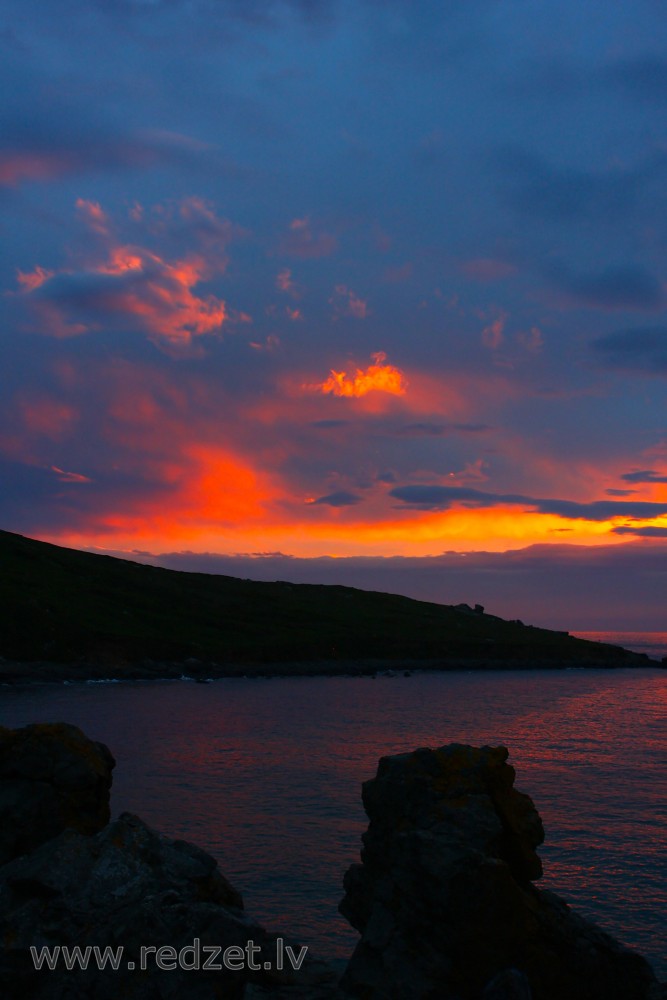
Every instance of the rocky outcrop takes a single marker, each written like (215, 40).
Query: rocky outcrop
(52, 778)
(124, 886)
(120, 886)
(444, 899)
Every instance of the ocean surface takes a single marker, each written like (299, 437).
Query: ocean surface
(266, 775)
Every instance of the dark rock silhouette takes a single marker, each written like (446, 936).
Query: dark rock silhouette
(124, 885)
(444, 901)
(52, 777)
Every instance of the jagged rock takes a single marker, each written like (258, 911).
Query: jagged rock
(130, 887)
(75, 882)
(126, 886)
(52, 777)
(444, 901)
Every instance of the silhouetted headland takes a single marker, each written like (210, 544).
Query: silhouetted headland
(77, 615)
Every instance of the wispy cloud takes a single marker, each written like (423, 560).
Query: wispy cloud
(49, 153)
(306, 241)
(345, 302)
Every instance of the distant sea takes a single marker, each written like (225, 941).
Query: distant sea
(654, 644)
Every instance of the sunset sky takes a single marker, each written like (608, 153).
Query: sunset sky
(369, 292)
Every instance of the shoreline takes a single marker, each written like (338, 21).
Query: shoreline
(23, 673)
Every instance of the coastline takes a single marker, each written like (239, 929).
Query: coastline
(13, 673)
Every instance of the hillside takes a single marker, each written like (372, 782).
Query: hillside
(92, 612)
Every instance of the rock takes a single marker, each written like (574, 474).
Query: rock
(52, 777)
(129, 887)
(444, 899)
(126, 886)
(74, 882)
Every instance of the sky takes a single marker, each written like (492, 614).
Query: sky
(364, 292)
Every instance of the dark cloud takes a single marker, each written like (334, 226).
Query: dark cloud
(602, 510)
(625, 287)
(535, 188)
(438, 498)
(648, 532)
(329, 424)
(643, 476)
(339, 499)
(620, 493)
(641, 349)
(442, 497)
(438, 430)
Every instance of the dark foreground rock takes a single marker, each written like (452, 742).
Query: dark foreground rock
(128, 887)
(79, 883)
(444, 900)
(52, 777)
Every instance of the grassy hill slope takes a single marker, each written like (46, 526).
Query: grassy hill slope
(70, 607)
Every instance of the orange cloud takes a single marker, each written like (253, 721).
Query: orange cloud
(379, 377)
(133, 286)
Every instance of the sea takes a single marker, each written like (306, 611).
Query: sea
(266, 775)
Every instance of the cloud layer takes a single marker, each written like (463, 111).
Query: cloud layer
(367, 281)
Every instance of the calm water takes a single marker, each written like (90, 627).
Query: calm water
(266, 776)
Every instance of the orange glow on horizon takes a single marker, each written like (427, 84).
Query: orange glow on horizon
(216, 491)
(204, 515)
